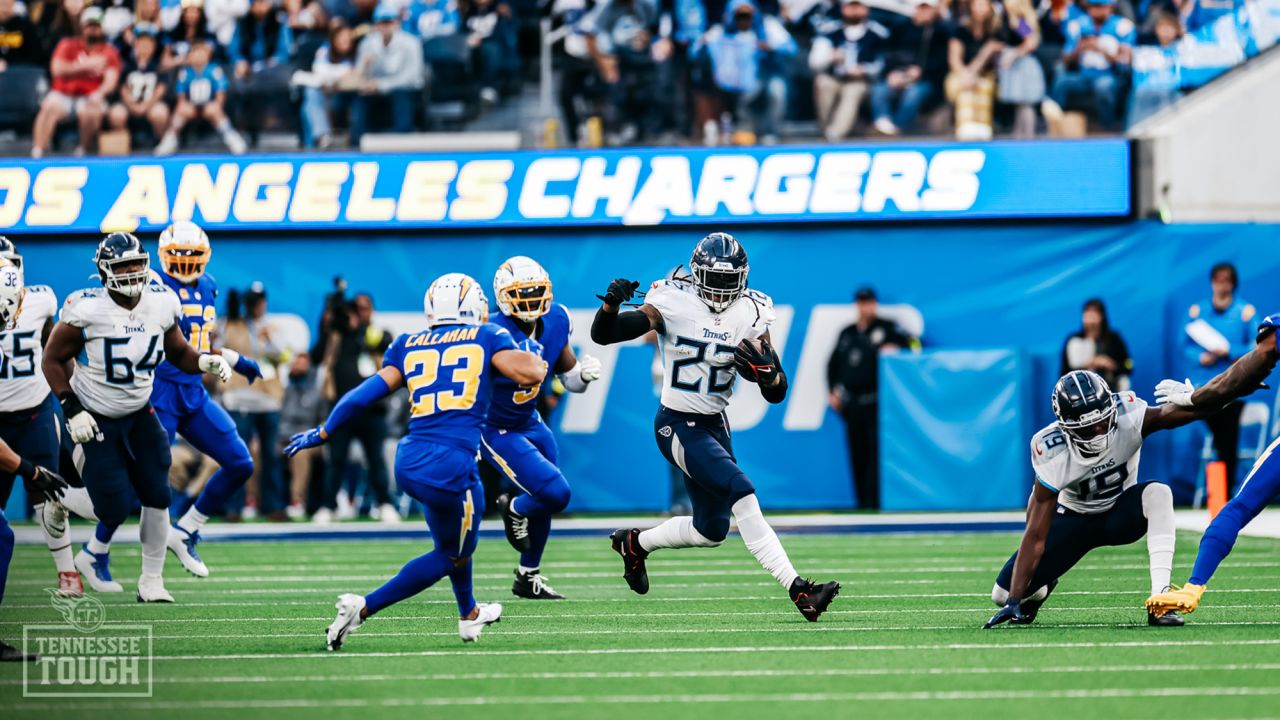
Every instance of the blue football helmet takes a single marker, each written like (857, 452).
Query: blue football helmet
(719, 266)
(123, 264)
(1086, 412)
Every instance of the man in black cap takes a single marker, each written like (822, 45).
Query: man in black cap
(852, 376)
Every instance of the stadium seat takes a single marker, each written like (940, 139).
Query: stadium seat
(22, 87)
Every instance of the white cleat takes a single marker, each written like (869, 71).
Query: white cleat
(53, 518)
(388, 515)
(349, 607)
(97, 570)
(151, 590)
(183, 545)
(489, 613)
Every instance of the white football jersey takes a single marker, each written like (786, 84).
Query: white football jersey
(122, 347)
(1092, 488)
(22, 383)
(697, 344)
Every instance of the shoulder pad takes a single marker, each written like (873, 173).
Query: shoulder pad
(1126, 401)
(1047, 444)
(158, 288)
(85, 294)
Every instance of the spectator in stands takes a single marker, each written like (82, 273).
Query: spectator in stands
(223, 17)
(117, 17)
(353, 12)
(19, 43)
(66, 23)
(1095, 62)
(301, 409)
(491, 35)
(1218, 332)
(1020, 79)
(202, 93)
(749, 53)
(192, 26)
(333, 72)
(620, 40)
(260, 50)
(432, 18)
(390, 62)
(579, 81)
(915, 67)
(1095, 346)
(140, 107)
(846, 62)
(975, 49)
(85, 72)
(1053, 19)
(853, 381)
(1156, 83)
(41, 14)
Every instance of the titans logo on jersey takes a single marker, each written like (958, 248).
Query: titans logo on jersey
(197, 318)
(514, 406)
(447, 372)
(1092, 488)
(22, 385)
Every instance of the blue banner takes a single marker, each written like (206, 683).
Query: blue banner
(883, 181)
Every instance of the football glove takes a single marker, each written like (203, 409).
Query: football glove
(758, 365)
(82, 427)
(590, 368)
(620, 290)
(1011, 613)
(314, 437)
(1172, 392)
(215, 365)
(41, 483)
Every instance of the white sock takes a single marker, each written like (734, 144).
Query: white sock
(193, 520)
(154, 531)
(60, 548)
(97, 547)
(1157, 505)
(676, 532)
(77, 501)
(762, 541)
(1000, 596)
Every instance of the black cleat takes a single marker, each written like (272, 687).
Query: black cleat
(533, 586)
(1031, 608)
(1169, 619)
(627, 544)
(516, 525)
(812, 600)
(9, 653)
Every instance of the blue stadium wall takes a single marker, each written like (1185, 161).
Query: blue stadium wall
(1015, 286)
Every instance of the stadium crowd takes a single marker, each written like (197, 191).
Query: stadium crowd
(709, 71)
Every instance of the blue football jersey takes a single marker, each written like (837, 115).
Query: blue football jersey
(448, 372)
(515, 406)
(197, 319)
(200, 86)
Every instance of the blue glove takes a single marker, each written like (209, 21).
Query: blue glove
(303, 440)
(248, 368)
(1268, 326)
(1010, 613)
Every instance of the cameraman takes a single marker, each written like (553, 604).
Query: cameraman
(351, 349)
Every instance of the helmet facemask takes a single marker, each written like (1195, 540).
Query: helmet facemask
(185, 264)
(527, 300)
(1089, 436)
(127, 275)
(719, 285)
(11, 294)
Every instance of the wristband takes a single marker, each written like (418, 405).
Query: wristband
(25, 470)
(71, 405)
(231, 356)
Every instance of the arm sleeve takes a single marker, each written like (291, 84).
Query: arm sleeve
(615, 327)
(365, 394)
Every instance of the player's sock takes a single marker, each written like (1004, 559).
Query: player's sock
(525, 569)
(762, 541)
(101, 541)
(539, 533)
(1157, 506)
(417, 575)
(676, 532)
(153, 530)
(179, 505)
(460, 577)
(60, 547)
(193, 520)
(76, 499)
(1216, 544)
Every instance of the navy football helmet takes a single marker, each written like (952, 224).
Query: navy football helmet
(719, 266)
(123, 264)
(1086, 412)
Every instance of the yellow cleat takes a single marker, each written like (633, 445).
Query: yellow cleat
(1181, 599)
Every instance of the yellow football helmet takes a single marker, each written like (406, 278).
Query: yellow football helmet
(184, 251)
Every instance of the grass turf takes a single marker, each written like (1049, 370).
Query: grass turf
(715, 634)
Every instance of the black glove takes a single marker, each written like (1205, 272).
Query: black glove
(41, 483)
(756, 365)
(1010, 613)
(620, 291)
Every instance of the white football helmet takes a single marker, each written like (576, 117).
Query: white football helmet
(10, 294)
(184, 251)
(455, 299)
(9, 252)
(522, 288)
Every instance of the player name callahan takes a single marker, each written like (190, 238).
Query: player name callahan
(439, 338)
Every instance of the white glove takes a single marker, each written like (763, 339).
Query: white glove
(1172, 392)
(590, 368)
(82, 427)
(215, 365)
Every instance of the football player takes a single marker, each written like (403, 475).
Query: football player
(29, 420)
(712, 330)
(449, 370)
(1260, 488)
(1087, 495)
(116, 336)
(516, 442)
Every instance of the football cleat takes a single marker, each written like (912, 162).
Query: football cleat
(349, 607)
(9, 653)
(516, 525)
(1031, 608)
(97, 570)
(151, 590)
(183, 545)
(1169, 619)
(534, 587)
(489, 613)
(70, 585)
(1182, 599)
(53, 518)
(627, 544)
(812, 600)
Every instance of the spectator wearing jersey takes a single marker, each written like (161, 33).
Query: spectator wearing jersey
(335, 82)
(1095, 61)
(749, 55)
(432, 18)
(19, 43)
(846, 62)
(202, 93)
(140, 106)
(1095, 346)
(976, 44)
(192, 26)
(915, 66)
(1217, 333)
(1156, 82)
(390, 62)
(259, 52)
(620, 39)
(1020, 79)
(85, 72)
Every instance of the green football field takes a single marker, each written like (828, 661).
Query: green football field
(715, 637)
